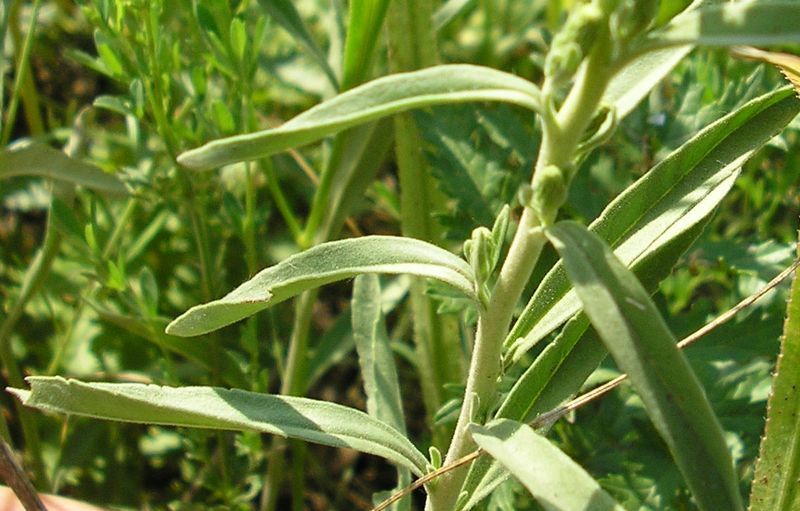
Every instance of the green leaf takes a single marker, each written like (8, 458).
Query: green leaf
(363, 27)
(449, 11)
(554, 480)
(285, 14)
(37, 159)
(379, 98)
(732, 23)
(324, 264)
(638, 77)
(374, 353)
(633, 331)
(775, 486)
(217, 408)
(376, 360)
(669, 200)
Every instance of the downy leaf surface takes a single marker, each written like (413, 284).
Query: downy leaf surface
(311, 420)
(457, 83)
(554, 480)
(37, 159)
(324, 264)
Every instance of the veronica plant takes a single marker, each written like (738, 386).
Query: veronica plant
(599, 65)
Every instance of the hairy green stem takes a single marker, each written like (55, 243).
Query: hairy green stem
(561, 134)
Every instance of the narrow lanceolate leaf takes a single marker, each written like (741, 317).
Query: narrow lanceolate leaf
(631, 84)
(557, 482)
(733, 23)
(635, 80)
(314, 421)
(776, 486)
(324, 264)
(37, 159)
(377, 364)
(374, 353)
(674, 197)
(636, 336)
(379, 98)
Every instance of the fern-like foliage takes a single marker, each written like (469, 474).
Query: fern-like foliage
(479, 155)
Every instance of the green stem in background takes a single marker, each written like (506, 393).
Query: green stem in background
(561, 135)
(6, 6)
(412, 45)
(34, 278)
(23, 83)
(283, 205)
(292, 384)
(157, 100)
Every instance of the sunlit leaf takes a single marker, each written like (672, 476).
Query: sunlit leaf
(671, 199)
(636, 336)
(379, 98)
(321, 265)
(314, 421)
(557, 482)
(775, 485)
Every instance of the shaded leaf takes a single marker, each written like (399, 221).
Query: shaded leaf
(479, 159)
(37, 159)
(374, 353)
(285, 14)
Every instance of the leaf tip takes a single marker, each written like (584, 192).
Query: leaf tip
(21, 394)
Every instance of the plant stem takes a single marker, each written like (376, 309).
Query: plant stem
(412, 45)
(561, 134)
(23, 83)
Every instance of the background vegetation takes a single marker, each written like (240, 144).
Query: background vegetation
(129, 85)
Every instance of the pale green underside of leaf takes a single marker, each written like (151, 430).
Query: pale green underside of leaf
(776, 485)
(672, 198)
(554, 480)
(633, 331)
(324, 264)
(37, 159)
(314, 421)
(457, 83)
(724, 24)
